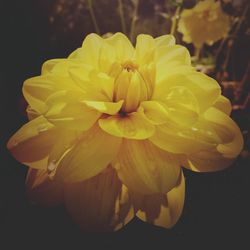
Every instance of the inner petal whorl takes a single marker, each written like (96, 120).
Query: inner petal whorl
(131, 86)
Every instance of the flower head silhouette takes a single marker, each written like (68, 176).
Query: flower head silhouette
(111, 125)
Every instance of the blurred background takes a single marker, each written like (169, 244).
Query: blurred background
(216, 211)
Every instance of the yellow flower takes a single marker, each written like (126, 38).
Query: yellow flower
(204, 23)
(111, 126)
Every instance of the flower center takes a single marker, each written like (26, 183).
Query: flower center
(130, 66)
(131, 86)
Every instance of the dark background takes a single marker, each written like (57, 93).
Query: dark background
(216, 211)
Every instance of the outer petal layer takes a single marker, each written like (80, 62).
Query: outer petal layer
(90, 50)
(185, 140)
(33, 141)
(66, 112)
(90, 155)
(224, 154)
(223, 104)
(206, 161)
(161, 209)
(146, 169)
(100, 203)
(205, 89)
(229, 132)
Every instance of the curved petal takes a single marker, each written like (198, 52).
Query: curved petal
(48, 66)
(159, 113)
(183, 97)
(123, 48)
(37, 90)
(96, 86)
(206, 161)
(144, 49)
(165, 72)
(227, 130)
(146, 169)
(66, 139)
(181, 105)
(155, 112)
(224, 154)
(162, 210)
(164, 40)
(42, 190)
(169, 56)
(31, 113)
(60, 66)
(90, 50)
(132, 126)
(72, 115)
(110, 108)
(36, 136)
(223, 104)
(107, 57)
(100, 203)
(39, 164)
(204, 88)
(187, 140)
(90, 155)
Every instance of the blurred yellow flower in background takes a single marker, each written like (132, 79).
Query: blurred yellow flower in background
(111, 125)
(204, 23)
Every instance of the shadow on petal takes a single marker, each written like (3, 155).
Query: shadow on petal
(161, 209)
(100, 203)
(41, 190)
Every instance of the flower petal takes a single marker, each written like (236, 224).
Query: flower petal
(155, 112)
(100, 203)
(93, 152)
(161, 209)
(223, 104)
(42, 190)
(107, 57)
(60, 66)
(90, 50)
(204, 88)
(96, 86)
(164, 40)
(72, 115)
(227, 130)
(63, 143)
(110, 108)
(132, 126)
(31, 113)
(169, 56)
(37, 89)
(124, 50)
(181, 105)
(185, 139)
(206, 161)
(146, 169)
(36, 136)
(224, 154)
(144, 49)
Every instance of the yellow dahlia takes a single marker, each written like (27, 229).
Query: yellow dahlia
(111, 125)
(204, 23)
